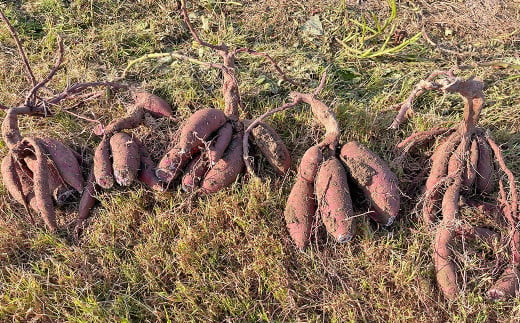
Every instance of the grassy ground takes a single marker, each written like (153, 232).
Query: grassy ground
(228, 257)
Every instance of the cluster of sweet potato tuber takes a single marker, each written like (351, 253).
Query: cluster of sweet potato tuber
(209, 146)
(325, 173)
(41, 172)
(463, 164)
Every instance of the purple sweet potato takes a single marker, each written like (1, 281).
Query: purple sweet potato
(147, 169)
(486, 176)
(299, 211)
(220, 142)
(378, 183)
(227, 169)
(265, 138)
(310, 164)
(194, 172)
(507, 285)
(103, 171)
(42, 193)
(57, 186)
(153, 104)
(334, 202)
(12, 178)
(66, 162)
(199, 127)
(301, 204)
(125, 157)
(171, 165)
(470, 170)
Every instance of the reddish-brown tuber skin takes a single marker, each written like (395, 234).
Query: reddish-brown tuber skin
(66, 162)
(334, 202)
(444, 266)
(227, 169)
(271, 145)
(470, 170)
(103, 171)
(57, 186)
(194, 172)
(299, 212)
(41, 186)
(147, 169)
(171, 165)
(507, 285)
(439, 169)
(485, 178)
(310, 163)
(220, 143)
(125, 157)
(301, 203)
(378, 183)
(199, 127)
(153, 104)
(12, 177)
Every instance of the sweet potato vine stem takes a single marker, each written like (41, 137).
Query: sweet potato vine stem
(28, 70)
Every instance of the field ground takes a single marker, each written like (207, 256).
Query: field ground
(228, 257)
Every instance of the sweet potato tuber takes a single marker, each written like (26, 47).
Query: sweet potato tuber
(171, 165)
(57, 186)
(125, 157)
(378, 183)
(153, 104)
(66, 162)
(41, 185)
(199, 127)
(470, 169)
(194, 173)
(299, 211)
(13, 176)
(507, 285)
(103, 171)
(310, 163)
(227, 169)
(220, 142)
(334, 202)
(147, 168)
(485, 177)
(271, 145)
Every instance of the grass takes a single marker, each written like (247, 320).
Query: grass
(228, 257)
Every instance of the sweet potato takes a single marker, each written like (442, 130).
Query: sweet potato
(299, 211)
(194, 173)
(220, 142)
(444, 266)
(507, 285)
(57, 186)
(12, 178)
(373, 176)
(271, 145)
(171, 165)
(125, 157)
(147, 169)
(334, 202)
(439, 169)
(153, 104)
(41, 185)
(66, 162)
(485, 177)
(103, 171)
(199, 127)
(86, 204)
(227, 169)
(470, 169)
(310, 164)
